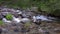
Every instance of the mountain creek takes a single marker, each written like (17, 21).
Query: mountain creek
(28, 22)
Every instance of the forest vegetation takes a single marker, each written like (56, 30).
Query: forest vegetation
(49, 6)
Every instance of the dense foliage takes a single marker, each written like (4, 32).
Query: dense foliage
(49, 6)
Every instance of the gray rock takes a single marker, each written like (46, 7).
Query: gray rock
(1, 17)
(6, 21)
(25, 20)
(5, 30)
(44, 31)
(17, 20)
(0, 30)
(57, 30)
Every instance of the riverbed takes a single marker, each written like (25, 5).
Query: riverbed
(27, 22)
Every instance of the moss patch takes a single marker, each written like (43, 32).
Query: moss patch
(1, 22)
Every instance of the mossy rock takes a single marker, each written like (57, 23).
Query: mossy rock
(27, 25)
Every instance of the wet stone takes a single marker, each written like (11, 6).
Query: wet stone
(21, 16)
(16, 30)
(57, 30)
(25, 20)
(13, 24)
(46, 32)
(1, 17)
(24, 30)
(0, 31)
(16, 15)
(5, 30)
(38, 22)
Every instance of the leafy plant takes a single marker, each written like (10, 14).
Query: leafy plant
(9, 16)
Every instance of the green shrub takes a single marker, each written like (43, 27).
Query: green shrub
(9, 16)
